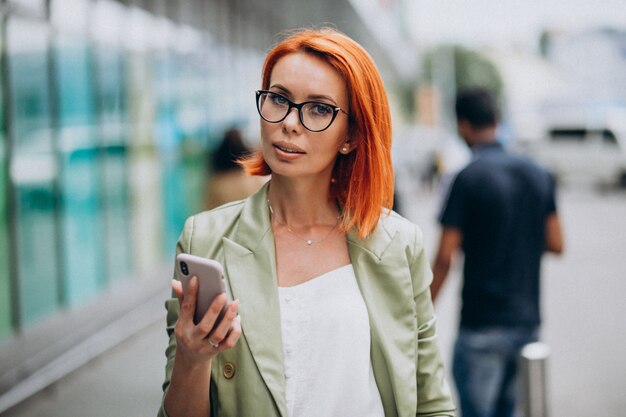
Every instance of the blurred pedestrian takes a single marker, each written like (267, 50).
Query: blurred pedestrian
(332, 288)
(227, 180)
(501, 213)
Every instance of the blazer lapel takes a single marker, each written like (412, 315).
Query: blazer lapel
(251, 267)
(382, 270)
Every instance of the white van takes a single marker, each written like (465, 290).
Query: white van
(585, 154)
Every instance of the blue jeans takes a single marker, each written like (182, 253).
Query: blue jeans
(485, 369)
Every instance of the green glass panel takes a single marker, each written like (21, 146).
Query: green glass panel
(174, 204)
(33, 170)
(168, 138)
(81, 243)
(37, 262)
(113, 142)
(193, 121)
(5, 283)
(181, 138)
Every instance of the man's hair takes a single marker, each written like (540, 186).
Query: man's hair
(363, 179)
(478, 107)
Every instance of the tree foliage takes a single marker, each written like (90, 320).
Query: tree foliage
(471, 69)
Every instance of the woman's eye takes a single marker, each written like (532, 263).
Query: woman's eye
(321, 109)
(277, 99)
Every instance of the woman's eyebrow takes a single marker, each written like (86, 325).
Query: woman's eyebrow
(280, 87)
(321, 97)
(313, 97)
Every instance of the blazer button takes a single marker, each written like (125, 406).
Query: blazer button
(229, 370)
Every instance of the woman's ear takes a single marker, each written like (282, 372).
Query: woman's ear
(346, 148)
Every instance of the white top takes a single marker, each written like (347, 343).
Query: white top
(326, 348)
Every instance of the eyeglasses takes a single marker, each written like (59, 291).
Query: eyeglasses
(314, 115)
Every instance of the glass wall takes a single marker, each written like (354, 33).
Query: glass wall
(112, 113)
(113, 137)
(33, 169)
(78, 157)
(110, 81)
(181, 129)
(168, 136)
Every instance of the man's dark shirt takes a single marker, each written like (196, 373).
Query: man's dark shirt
(500, 202)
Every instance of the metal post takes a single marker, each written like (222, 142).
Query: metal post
(533, 371)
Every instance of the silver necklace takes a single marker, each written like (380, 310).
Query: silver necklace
(308, 242)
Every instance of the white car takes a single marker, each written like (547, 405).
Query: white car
(585, 154)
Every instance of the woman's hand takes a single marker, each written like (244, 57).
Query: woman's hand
(200, 343)
(197, 345)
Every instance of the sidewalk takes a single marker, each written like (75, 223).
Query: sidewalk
(123, 382)
(80, 356)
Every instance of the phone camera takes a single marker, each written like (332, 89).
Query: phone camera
(184, 269)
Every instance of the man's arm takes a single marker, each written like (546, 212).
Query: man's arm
(554, 236)
(449, 243)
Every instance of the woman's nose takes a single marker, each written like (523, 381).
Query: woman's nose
(292, 120)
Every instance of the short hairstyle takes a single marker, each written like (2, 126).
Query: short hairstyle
(478, 107)
(363, 179)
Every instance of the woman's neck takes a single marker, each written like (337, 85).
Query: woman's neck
(301, 203)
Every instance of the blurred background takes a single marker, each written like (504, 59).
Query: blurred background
(110, 111)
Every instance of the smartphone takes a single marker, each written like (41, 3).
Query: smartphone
(210, 279)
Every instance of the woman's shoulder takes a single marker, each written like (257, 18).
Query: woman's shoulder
(394, 224)
(217, 221)
(220, 213)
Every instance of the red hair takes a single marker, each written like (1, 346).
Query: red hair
(363, 179)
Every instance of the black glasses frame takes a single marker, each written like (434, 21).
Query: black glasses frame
(298, 106)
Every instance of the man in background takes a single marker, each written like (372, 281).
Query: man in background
(501, 213)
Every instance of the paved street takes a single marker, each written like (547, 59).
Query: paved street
(582, 305)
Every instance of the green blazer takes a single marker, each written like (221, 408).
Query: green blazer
(393, 275)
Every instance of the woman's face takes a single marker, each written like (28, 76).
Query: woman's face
(288, 147)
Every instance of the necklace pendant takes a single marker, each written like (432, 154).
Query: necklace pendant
(309, 242)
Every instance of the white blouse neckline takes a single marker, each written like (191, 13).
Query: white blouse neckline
(326, 348)
(325, 275)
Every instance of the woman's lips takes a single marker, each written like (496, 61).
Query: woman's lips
(289, 149)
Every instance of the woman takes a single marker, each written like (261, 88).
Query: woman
(332, 289)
